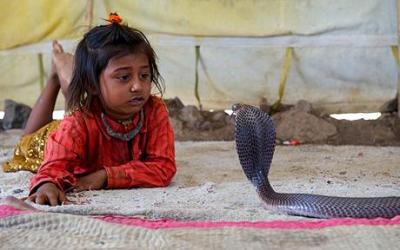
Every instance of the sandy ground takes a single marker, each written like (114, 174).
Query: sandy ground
(210, 185)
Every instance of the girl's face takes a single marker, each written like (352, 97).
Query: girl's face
(125, 85)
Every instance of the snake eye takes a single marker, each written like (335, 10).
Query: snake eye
(236, 107)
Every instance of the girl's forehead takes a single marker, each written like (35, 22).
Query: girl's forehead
(129, 60)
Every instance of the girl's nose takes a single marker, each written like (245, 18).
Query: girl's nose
(136, 85)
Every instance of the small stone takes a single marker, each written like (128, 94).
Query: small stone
(177, 125)
(100, 242)
(17, 191)
(329, 182)
(309, 128)
(206, 125)
(390, 106)
(303, 106)
(218, 116)
(15, 114)
(264, 106)
(191, 116)
(215, 120)
(174, 105)
(343, 173)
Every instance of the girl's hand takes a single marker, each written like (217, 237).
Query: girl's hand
(16, 203)
(48, 193)
(93, 181)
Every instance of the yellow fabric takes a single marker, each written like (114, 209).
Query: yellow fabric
(28, 154)
(31, 21)
(204, 18)
(20, 78)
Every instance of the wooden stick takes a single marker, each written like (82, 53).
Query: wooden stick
(89, 13)
(398, 46)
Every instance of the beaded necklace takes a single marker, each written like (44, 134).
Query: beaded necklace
(122, 136)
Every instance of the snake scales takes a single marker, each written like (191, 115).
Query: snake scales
(255, 144)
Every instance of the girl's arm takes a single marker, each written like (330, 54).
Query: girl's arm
(65, 149)
(158, 167)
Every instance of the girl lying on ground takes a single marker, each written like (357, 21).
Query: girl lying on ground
(116, 133)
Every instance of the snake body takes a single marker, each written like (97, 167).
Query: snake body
(255, 144)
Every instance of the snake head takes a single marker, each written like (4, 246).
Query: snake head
(237, 107)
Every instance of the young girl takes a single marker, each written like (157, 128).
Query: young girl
(117, 134)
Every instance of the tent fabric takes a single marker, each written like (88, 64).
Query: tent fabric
(41, 20)
(342, 59)
(35, 21)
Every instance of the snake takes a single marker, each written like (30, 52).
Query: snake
(255, 145)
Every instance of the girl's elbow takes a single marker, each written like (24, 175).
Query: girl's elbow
(166, 181)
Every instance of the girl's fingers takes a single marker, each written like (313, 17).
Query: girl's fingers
(32, 198)
(41, 199)
(68, 202)
(62, 198)
(16, 203)
(53, 199)
(78, 188)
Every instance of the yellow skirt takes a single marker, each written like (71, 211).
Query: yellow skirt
(29, 152)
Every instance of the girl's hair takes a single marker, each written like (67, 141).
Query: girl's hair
(92, 55)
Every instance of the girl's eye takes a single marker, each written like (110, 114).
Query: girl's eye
(124, 78)
(144, 76)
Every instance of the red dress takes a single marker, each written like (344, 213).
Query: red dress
(81, 146)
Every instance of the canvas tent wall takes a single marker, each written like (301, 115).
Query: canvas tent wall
(340, 58)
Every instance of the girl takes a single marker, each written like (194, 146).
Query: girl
(117, 134)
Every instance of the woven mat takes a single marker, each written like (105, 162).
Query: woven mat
(22, 229)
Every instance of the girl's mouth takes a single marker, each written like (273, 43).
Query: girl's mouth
(136, 101)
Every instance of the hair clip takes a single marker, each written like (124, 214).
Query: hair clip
(114, 18)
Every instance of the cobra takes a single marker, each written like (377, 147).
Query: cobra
(255, 144)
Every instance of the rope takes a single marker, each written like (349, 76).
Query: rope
(284, 75)
(89, 14)
(395, 52)
(196, 81)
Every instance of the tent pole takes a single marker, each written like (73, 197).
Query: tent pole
(398, 46)
(89, 13)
